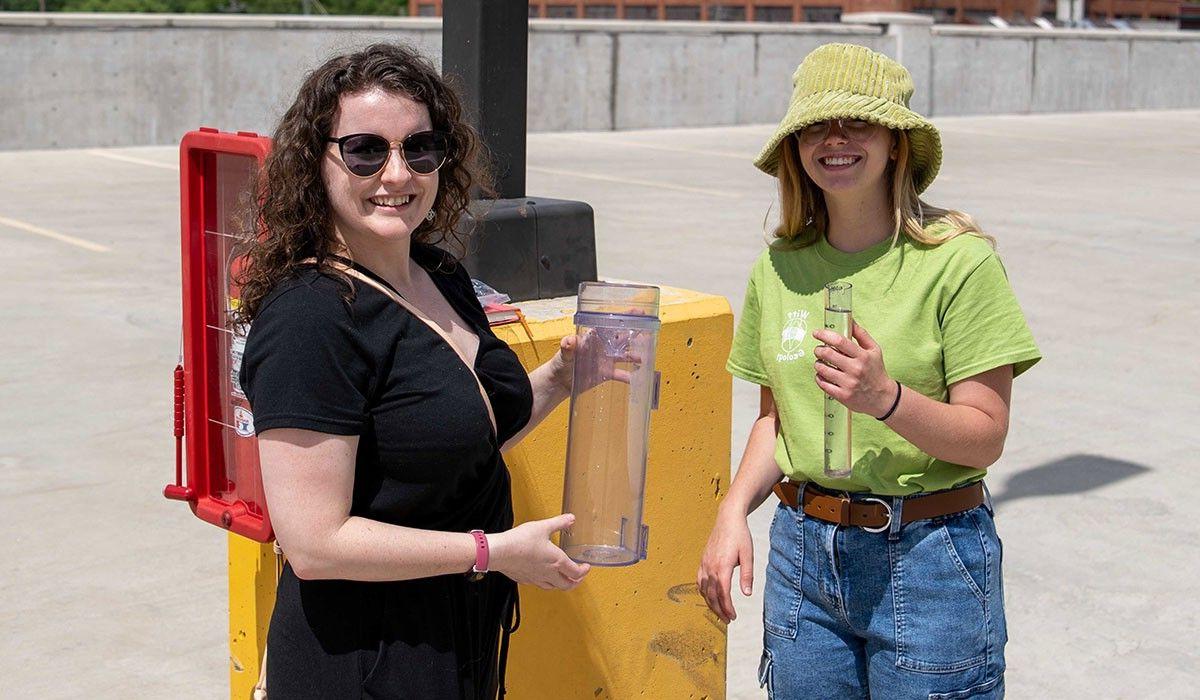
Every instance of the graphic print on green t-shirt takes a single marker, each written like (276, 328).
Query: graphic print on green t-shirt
(940, 313)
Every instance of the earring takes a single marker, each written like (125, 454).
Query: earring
(430, 216)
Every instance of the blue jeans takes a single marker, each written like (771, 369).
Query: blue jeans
(913, 612)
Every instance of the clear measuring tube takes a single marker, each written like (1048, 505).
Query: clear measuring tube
(839, 319)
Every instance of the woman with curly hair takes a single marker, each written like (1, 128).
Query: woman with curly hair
(884, 573)
(381, 399)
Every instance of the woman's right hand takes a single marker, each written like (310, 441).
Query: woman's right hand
(525, 554)
(729, 546)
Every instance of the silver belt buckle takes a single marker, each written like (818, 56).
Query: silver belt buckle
(886, 506)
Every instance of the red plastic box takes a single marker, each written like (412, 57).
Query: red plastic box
(212, 416)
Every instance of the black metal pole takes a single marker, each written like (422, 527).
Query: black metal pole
(485, 48)
(528, 247)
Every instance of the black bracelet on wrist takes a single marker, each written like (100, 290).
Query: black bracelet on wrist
(895, 403)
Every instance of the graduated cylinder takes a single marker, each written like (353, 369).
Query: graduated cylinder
(615, 388)
(839, 318)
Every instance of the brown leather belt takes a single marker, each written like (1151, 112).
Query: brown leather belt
(874, 514)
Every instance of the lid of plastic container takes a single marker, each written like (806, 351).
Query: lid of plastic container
(629, 321)
(619, 298)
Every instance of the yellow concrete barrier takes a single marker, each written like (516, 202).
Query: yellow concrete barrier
(630, 632)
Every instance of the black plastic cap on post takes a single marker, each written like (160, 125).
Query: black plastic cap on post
(532, 248)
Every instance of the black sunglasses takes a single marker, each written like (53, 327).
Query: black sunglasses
(366, 154)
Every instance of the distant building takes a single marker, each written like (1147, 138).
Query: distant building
(961, 11)
(1189, 15)
(1133, 9)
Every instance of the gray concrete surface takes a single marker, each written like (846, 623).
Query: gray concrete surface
(144, 79)
(109, 591)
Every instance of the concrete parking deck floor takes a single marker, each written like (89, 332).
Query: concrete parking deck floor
(108, 591)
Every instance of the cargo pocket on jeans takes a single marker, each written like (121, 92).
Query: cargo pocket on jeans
(992, 689)
(939, 584)
(785, 571)
(766, 670)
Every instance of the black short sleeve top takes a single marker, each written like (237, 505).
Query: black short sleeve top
(427, 456)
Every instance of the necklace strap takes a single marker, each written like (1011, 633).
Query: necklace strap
(388, 291)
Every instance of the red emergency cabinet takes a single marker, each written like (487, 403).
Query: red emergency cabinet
(214, 427)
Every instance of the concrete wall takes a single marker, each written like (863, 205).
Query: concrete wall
(110, 80)
(988, 71)
(698, 75)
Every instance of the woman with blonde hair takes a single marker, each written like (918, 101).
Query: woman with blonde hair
(883, 582)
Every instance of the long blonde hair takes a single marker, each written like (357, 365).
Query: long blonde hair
(804, 218)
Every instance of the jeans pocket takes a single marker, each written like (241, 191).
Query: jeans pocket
(991, 689)
(941, 575)
(785, 571)
(968, 553)
(995, 598)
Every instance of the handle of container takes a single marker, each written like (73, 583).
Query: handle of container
(657, 391)
(645, 543)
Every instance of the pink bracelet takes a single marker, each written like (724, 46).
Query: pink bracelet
(480, 568)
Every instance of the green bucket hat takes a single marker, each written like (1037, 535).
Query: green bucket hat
(844, 81)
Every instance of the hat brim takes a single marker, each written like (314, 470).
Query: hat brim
(925, 142)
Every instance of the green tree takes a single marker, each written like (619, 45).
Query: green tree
(269, 7)
(116, 6)
(29, 5)
(333, 7)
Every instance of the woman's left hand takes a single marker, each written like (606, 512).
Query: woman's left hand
(563, 363)
(853, 373)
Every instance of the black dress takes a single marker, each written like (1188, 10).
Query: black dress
(427, 458)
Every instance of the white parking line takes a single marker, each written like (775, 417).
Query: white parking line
(640, 183)
(1078, 161)
(62, 237)
(1005, 136)
(744, 157)
(133, 159)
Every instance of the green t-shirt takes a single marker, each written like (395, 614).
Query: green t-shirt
(940, 313)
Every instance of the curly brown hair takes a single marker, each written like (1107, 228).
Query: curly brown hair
(289, 212)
